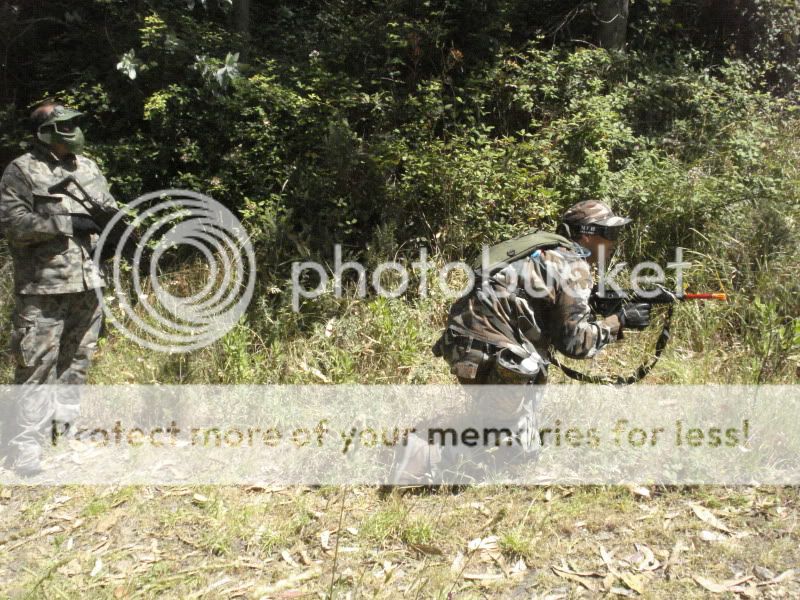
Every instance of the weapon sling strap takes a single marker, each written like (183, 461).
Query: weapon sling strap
(637, 375)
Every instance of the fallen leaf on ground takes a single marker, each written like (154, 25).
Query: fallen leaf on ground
(426, 549)
(649, 562)
(482, 576)
(608, 581)
(785, 576)
(288, 558)
(639, 490)
(583, 578)
(494, 520)
(679, 547)
(177, 492)
(479, 506)
(487, 543)
(711, 536)
(146, 558)
(57, 501)
(63, 517)
(608, 560)
(107, 522)
(458, 563)
(216, 585)
(518, 568)
(488, 548)
(315, 372)
(73, 567)
(329, 327)
(98, 566)
(722, 587)
(284, 584)
(635, 582)
(387, 568)
(325, 540)
(763, 573)
(199, 499)
(707, 516)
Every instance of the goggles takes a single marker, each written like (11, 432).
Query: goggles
(64, 120)
(610, 232)
(65, 127)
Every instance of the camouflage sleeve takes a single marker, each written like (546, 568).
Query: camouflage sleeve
(108, 199)
(98, 187)
(21, 224)
(575, 331)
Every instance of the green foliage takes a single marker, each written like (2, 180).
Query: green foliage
(387, 126)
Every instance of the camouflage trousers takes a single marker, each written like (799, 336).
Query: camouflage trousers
(485, 371)
(53, 340)
(508, 415)
(481, 364)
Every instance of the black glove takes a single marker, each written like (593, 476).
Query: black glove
(634, 315)
(83, 224)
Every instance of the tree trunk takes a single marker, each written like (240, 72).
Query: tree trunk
(613, 17)
(241, 22)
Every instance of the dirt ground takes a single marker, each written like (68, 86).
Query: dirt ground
(479, 542)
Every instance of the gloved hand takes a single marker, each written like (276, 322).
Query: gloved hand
(634, 315)
(84, 224)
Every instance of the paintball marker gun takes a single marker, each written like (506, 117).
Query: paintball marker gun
(611, 302)
(103, 215)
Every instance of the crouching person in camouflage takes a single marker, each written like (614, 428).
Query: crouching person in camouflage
(503, 330)
(51, 235)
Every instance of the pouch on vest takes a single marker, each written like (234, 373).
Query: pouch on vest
(469, 365)
(515, 367)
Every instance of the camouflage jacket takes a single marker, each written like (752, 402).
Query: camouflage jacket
(533, 304)
(47, 257)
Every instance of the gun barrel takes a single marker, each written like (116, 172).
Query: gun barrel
(706, 296)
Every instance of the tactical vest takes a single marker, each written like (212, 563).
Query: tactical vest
(504, 253)
(456, 345)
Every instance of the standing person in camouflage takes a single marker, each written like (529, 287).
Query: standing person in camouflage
(502, 331)
(51, 235)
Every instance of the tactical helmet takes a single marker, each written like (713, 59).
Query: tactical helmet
(60, 127)
(594, 218)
